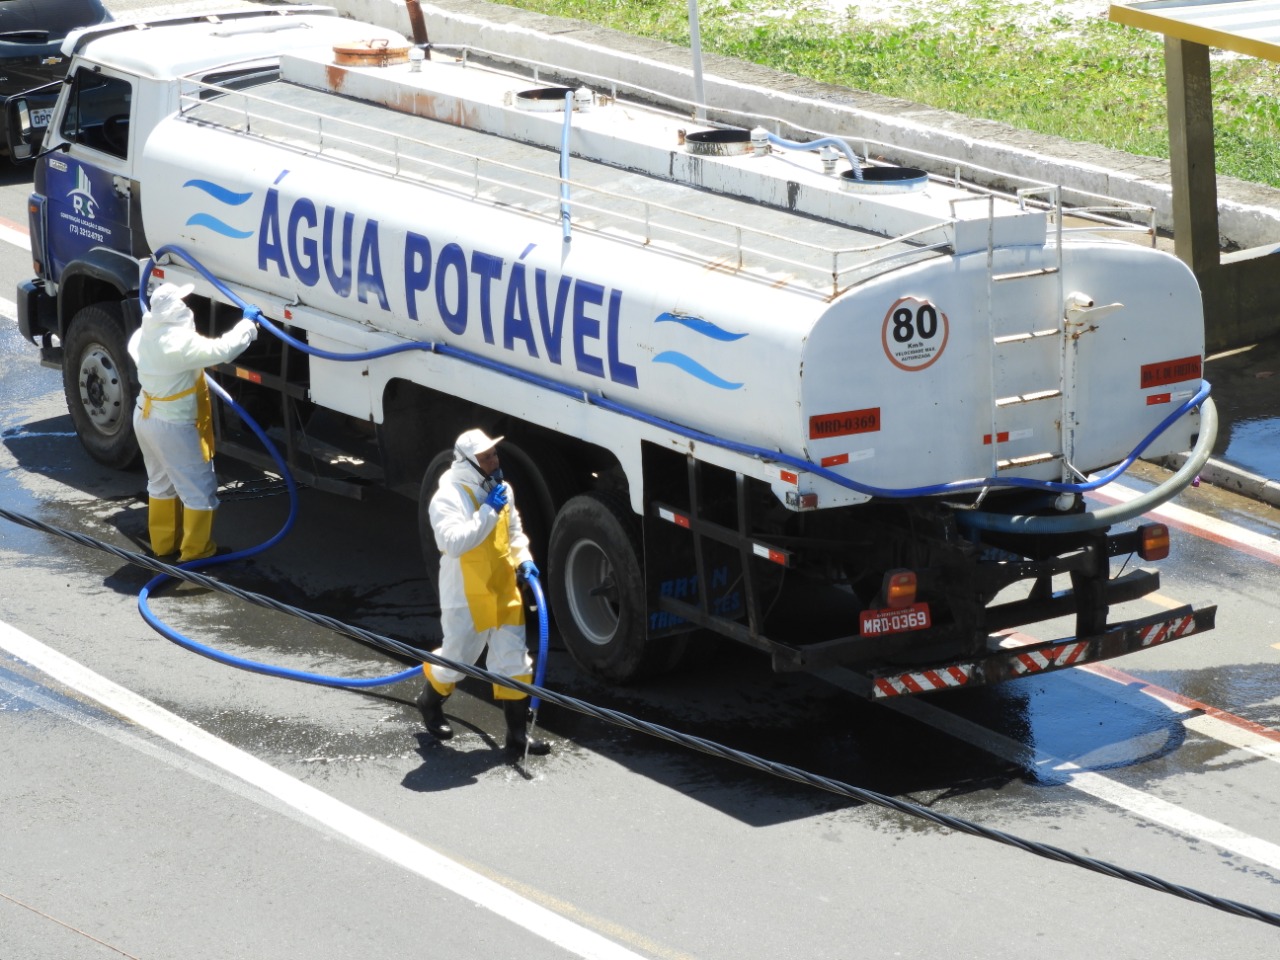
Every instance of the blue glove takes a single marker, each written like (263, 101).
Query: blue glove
(528, 570)
(497, 497)
(252, 313)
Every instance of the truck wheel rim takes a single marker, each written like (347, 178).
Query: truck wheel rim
(101, 390)
(592, 592)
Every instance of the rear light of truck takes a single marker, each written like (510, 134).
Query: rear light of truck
(1153, 541)
(899, 589)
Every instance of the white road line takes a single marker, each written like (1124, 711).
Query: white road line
(359, 827)
(1211, 528)
(1209, 721)
(1172, 816)
(1132, 801)
(12, 233)
(1093, 784)
(1233, 736)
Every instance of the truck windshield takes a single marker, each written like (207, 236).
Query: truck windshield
(97, 114)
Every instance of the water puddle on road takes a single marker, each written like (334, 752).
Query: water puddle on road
(1254, 444)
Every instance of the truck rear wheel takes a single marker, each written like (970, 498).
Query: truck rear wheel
(100, 385)
(596, 581)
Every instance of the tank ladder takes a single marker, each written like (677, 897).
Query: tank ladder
(1032, 417)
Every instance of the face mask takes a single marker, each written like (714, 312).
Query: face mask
(487, 480)
(491, 481)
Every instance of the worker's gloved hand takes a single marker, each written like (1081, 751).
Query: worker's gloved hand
(247, 331)
(528, 570)
(497, 497)
(252, 313)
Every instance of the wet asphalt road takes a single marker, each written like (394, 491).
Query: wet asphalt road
(290, 820)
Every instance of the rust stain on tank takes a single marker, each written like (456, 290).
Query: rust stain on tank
(337, 77)
(423, 103)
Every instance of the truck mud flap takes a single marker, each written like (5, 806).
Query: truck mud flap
(1015, 659)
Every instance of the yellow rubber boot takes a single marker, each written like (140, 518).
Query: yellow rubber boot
(197, 535)
(163, 517)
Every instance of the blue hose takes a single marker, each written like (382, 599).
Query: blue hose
(144, 606)
(182, 640)
(540, 670)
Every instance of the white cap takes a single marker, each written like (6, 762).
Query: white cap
(473, 443)
(167, 304)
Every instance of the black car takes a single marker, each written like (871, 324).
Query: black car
(31, 35)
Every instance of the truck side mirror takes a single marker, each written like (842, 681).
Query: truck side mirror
(21, 132)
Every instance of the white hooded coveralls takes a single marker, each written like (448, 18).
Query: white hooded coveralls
(462, 521)
(170, 356)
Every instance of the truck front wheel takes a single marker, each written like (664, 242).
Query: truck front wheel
(100, 385)
(596, 581)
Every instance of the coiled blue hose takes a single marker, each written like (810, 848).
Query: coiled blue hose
(182, 640)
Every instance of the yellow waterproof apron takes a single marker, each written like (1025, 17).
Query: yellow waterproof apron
(489, 580)
(204, 411)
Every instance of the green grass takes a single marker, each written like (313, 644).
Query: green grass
(1088, 80)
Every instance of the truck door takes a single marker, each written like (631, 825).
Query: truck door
(87, 187)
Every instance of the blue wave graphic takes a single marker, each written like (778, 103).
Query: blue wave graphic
(217, 226)
(695, 369)
(704, 327)
(219, 193)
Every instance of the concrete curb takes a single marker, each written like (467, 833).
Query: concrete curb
(1249, 214)
(1229, 477)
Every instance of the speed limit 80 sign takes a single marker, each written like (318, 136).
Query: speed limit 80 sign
(914, 333)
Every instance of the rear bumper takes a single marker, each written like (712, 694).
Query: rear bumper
(1012, 658)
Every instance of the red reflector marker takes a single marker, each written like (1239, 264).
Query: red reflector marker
(679, 519)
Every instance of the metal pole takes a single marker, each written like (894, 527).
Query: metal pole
(695, 41)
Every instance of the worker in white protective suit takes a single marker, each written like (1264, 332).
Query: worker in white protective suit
(483, 549)
(173, 420)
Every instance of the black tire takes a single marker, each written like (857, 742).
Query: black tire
(426, 536)
(596, 580)
(101, 385)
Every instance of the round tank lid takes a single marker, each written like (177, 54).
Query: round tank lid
(885, 180)
(545, 99)
(369, 53)
(718, 143)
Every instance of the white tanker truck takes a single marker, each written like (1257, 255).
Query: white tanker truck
(753, 384)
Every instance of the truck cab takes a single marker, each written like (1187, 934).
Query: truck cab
(87, 238)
